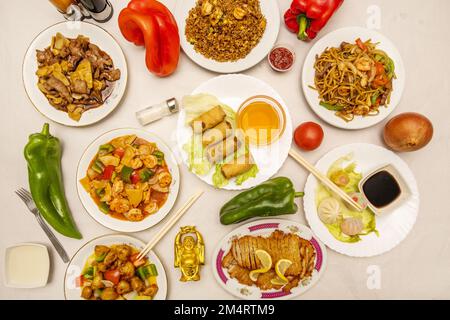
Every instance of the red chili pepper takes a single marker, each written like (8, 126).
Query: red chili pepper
(149, 23)
(308, 17)
(135, 177)
(108, 172)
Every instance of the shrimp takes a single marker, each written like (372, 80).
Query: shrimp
(120, 205)
(164, 179)
(144, 150)
(150, 161)
(136, 163)
(363, 64)
(117, 187)
(152, 207)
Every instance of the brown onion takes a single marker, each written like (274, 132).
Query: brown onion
(408, 131)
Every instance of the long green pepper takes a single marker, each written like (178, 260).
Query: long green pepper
(43, 155)
(271, 198)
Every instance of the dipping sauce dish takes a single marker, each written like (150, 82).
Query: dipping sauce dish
(383, 189)
(27, 265)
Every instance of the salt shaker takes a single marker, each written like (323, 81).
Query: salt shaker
(157, 111)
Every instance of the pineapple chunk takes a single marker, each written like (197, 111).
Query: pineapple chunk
(109, 160)
(134, 196)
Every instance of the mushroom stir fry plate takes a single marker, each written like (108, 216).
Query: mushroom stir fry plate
(75, 75)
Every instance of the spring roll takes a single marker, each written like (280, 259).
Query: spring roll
(208, 119)
(219, 151)
(216, 134)
(237, 166)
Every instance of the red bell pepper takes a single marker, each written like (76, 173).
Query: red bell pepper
(307, 17)
(113, 276)
(149, 23)
(119, 152)
(135, 178)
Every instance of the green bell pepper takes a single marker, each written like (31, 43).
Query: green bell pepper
(144, 272)
(271, 198)
(332, 107)
(105, 149)
(159, 155)
(126, 174)
(145, 174)
(43, 155)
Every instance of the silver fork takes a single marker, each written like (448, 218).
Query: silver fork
(25, 195)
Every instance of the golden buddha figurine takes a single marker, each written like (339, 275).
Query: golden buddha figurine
(189, 253)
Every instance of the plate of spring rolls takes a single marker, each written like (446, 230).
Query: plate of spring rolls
(212, 144)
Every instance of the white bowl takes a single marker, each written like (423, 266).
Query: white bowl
(32, 267)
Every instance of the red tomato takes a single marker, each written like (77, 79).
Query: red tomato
(108, 172)
(308, 136)
(112, 275)
(119, 152)
(135, 177)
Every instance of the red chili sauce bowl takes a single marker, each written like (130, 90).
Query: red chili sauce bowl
(281, 58)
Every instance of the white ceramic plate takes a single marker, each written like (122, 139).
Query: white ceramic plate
(334, 39)
(392, 226)
(76, 264)
(271, 12)
(233, 90)
(107, 220)
(265, 228)
(97, 36)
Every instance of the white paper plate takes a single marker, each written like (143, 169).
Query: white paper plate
(97, 36)
(393, 226)
(271, 12)
(233, 90)
(334, 39)
(264, 228)
(107, 220)
(76, 264)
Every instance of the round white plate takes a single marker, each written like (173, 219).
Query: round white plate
(97, 36)
(271, 12)
(392, 226)
(264, 228)
(233, 90)
(107, 220)
(334, 39)
(76, 264)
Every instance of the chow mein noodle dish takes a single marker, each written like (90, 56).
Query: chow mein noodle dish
(354, 79)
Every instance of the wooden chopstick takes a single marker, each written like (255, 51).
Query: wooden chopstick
(322, 178)
(168, 225)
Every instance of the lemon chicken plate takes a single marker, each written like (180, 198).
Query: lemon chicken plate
(128, 178)
(279, 261)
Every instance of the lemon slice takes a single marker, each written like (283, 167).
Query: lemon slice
(266, 263)
(280, 269)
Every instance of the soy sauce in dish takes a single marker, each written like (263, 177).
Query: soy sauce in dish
(381, 189)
